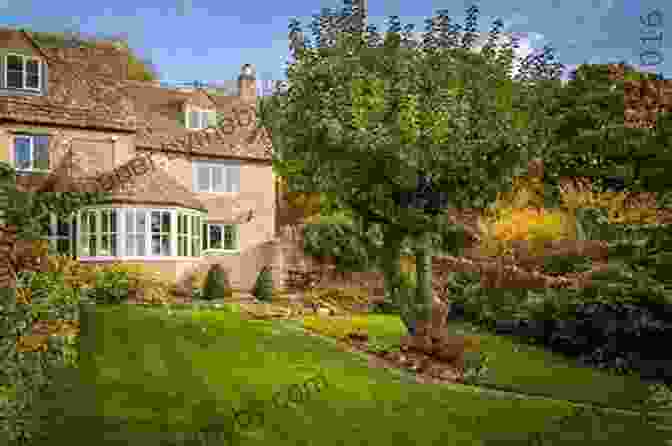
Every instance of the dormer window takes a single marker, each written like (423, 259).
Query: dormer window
(198, 118)
(22, 72)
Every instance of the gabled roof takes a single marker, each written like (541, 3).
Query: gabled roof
(74, 98)
(88, 88)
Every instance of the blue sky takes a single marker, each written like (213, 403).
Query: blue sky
(209, 40)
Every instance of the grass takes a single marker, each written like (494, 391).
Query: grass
(145, 377)
(531, 369)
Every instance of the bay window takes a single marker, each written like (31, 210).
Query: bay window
(139, 232)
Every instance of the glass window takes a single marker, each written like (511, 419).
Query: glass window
(32, 74)
(203, 173)
(233, 179)
(108, 232)
(31, 152)
(220, 236)
(22, 72)
(22, 152)
(136, 229)
(160, 240)
(211, 177)
(14, 71)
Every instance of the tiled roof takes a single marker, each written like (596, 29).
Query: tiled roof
(158, 110)
(75, 97)
(87, 87)
(155, 188)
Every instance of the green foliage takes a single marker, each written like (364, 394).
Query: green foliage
(263, 287)
(217, 284)
(560, 265)
(337, 240)
(110, 287)
(361, 119)
(26, 374)
(348, 299)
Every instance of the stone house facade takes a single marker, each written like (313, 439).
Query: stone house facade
(208, 198)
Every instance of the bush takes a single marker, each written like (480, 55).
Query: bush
(336, 328)
(344, 298)
(263, 288)
(110, 287)
(560, 265)
(534, 225)
(217, 284)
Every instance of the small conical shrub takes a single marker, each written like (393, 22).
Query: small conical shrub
(263, 288)
(217, 285)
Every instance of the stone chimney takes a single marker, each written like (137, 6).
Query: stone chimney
(247, 84)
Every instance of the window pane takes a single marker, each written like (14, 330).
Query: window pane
(212, 119)
(41, 149)
(165, 222)
(92, 245)
(156, 221)
(113, 221)
(156, 245)
(217, 180)
(194, 120)
(165, 245)
(131, 245)
(179, 223)
(233, 179)
(105, 245)
(22, 152)
(92, 221)
(104, 221)
(130, 227)
(215, 237)
(14, 63)
(14, 79)
(141, 244)
(14, 72)
(203, 174)
(141, 221)
(205, 236)
(113, 245)
(32, 74)
(63, 227)
(195, 252)
(229, 237)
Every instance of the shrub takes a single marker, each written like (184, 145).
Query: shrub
(534, 225)
(344, 298)
(110, 287)
(560, 265)
(217, 284)
(336, 328)
(263, 288)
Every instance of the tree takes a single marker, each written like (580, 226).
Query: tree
(361, 119)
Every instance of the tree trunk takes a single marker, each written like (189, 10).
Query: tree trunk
(422, 305)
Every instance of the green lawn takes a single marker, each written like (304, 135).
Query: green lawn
(146, 376)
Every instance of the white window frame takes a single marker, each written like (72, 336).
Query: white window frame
(122, 253)
(24, 72)
(31, 138)
(225, 168)
(236, 238)
(202, 115)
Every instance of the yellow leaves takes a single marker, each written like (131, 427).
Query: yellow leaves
(524, 224)
(615, 202)
(24, 296)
